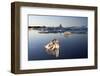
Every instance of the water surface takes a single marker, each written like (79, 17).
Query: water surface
(73, 46)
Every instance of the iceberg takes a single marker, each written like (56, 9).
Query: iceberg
(53, 47)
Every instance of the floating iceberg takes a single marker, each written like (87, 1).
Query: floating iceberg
(53, 47)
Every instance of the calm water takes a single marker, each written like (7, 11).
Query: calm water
(71, 47)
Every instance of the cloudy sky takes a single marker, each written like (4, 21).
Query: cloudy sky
(54, 21)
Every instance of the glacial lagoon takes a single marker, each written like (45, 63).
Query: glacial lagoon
(73, 46)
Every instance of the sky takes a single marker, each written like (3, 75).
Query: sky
(66, 21)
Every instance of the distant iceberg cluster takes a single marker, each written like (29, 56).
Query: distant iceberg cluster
(59, 29)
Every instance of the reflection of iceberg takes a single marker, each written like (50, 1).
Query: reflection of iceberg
(53, 47)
